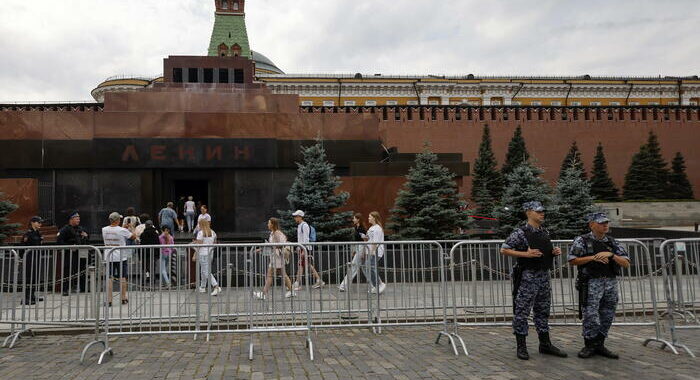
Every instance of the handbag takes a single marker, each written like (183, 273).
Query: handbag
(287, 253)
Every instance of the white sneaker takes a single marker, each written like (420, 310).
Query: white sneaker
(296, 287)
(341, 288)
(216, 291)
(373, 290)
(382, 287)
(259, 295)
(290, 294)
(319, 284)
(202, 290)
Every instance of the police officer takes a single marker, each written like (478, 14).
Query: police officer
(71, 234)
(599, 258)
(31, 238)
(534, 251)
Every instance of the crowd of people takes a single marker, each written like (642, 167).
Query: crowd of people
(141, 230)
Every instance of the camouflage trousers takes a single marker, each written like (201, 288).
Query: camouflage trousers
(534, 294)
(599, 312)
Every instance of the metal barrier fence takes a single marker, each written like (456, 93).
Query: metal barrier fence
(243, 295)
(480, 287)
(680, 263)
(252, 288)
(191, 289)
(46, 286)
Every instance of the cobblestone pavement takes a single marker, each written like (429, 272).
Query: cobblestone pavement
(401, 353)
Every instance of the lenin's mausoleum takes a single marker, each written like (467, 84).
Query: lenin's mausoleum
(227, 128)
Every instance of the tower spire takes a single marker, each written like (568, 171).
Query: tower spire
(229, 36)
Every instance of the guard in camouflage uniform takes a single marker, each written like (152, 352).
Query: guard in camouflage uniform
(534, 251)
(599, 258)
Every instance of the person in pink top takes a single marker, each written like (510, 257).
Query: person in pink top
(166, 238)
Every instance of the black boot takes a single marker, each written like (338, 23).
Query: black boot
(547, 348)
(601, 350)
(522, 347)
(588, 350)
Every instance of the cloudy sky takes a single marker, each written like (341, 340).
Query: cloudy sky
(60, 50)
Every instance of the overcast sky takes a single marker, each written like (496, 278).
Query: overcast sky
(60, 50)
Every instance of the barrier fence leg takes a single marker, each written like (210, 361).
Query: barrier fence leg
(657, 324)
(16, 335)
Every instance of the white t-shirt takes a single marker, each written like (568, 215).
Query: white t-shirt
(206, 217)
(206, 240)
(303, 232)
(189, 206)
(115, 236)
(375, 234)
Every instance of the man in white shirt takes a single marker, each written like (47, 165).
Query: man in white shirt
(116, 259)
(303, 232)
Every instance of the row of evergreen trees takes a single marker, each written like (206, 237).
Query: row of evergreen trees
(429, 205)
(647, 177)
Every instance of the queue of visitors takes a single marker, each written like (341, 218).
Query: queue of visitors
(155, 264)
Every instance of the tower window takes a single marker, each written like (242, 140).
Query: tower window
(236, 50)
(223, 50)
(235, 5)
(224, 4)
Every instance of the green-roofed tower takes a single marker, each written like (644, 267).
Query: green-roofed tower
(229, 37)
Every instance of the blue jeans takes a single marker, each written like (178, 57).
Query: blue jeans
(189, 216)
(371, 265)
(165, 269)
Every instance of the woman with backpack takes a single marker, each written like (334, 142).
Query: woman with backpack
(277, 260)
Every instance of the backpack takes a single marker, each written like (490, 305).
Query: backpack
(312, 234)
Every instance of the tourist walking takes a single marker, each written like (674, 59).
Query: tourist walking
(375, 238)
(166, 238)
(305, 256)
(190, 213)
(116, 236)
(180, 209)
(278, 259)
(167, 217)
(532, 290)
(205, 257)
(359, 252)
(149, 236)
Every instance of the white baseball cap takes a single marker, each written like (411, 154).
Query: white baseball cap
(298, 213)
(114, 216)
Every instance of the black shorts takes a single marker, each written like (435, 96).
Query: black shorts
(119, 269)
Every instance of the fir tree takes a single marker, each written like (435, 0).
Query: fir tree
(679, 186)
(314, 192)
(428, 205)
(517, 152)
(6, 229)
(573, 157)
(487, 182)
(647, 177)
(602, 186)
(523, 184)
(573, 201)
